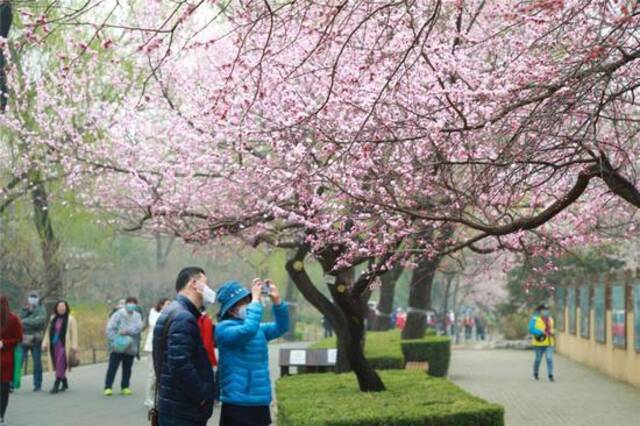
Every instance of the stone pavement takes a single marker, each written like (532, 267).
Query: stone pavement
(580, 396)
(84, 405)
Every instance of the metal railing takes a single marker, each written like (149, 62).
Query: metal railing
(87, 356)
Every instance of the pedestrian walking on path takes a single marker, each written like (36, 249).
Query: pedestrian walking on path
(543, 333)
(123, 334)
(245, 385)
(10, 337)
(184, 375)
(154, 314)
(61, 341)
(34, 322)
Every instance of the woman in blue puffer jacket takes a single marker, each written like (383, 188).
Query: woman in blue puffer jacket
(245, 385)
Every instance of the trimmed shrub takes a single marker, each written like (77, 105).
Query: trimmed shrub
(411, 399)
(431, 332)
(434, 350)
(515, 326)
(385, 350)
(382, 349)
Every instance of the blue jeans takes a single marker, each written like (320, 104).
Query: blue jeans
(548, 352)
(36, 353)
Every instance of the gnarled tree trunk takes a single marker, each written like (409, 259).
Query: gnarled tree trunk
(385, 303)
(291, 298)
(420, 298)
(49, 244)
(296, 270)
(355, 310)
(346, 315)
(445, 302)
(163, 249)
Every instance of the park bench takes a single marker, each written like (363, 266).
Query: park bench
(307, 360)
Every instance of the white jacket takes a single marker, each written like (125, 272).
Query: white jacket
(153, 317)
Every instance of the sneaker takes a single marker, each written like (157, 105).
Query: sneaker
(37, 389)
(535, 376)
(551, 379)
(127, 392)
(108, 392)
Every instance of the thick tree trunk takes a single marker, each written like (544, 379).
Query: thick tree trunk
(385, 303)
(420, 298)
(454, 300)
(49, 244)
(346, 317)
(291, 298)
(368, 378)
(163, 250)
(445, 307)
(354, 311)
(295, 269)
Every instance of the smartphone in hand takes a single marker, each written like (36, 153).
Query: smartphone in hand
(266, 287)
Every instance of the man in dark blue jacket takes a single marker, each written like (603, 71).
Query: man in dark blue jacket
(185, 376)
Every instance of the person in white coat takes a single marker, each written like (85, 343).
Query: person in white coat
(154, 314)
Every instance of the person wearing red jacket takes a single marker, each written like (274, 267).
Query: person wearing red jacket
(207, 333)
(205, 323)
(10, 336)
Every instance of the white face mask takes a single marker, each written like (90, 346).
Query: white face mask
(241, 313)
(33, 301)
(208, 295)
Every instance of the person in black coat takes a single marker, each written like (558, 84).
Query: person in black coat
(185, 376)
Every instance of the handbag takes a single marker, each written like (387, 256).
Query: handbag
(32, 339)
(74, 359)
(121, 343)
(157, 357)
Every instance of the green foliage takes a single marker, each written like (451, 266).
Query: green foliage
(382, 349)
(528, 285)
(386, 362)
(514, 326)
(436, 350)
(92, 320)
(102, 264)
(411, 398)
(385, 350)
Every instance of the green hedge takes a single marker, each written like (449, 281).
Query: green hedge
(382, 349)
(435, 350)
(412, 398)
(385, 350)
(514, 326)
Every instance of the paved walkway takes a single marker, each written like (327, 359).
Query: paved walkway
(84, 405)
(580, 396)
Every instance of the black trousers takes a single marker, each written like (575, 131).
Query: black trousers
(4, 397)
(236, 415)
(164, 420)
(114, 362)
